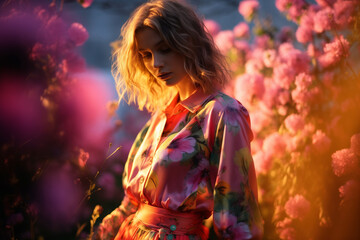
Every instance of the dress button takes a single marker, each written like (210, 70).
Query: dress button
(172, 227)
(141, 180)
(170, 237)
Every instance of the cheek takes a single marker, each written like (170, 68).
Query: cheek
(148, 66)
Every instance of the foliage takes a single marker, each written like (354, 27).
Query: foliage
(301, 89)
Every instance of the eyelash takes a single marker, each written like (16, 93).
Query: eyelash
(148, 55)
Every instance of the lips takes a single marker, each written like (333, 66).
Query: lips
(164, 76)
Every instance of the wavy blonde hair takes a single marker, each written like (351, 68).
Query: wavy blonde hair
(183, 32)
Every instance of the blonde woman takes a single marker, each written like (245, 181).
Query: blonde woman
(192, 160)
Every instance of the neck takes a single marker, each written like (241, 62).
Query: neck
(185, 88)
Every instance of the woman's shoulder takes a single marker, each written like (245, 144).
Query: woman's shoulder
(222, 103)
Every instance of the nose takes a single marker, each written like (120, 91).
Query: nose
(158, 61)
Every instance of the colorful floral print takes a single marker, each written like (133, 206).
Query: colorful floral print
(200, 165)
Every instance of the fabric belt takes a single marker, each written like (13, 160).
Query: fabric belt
(168, 222)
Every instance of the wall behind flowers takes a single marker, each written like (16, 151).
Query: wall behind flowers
(60, 128)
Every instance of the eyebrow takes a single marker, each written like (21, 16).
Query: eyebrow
(156, 45)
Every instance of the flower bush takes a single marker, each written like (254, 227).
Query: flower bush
(301, 88)
(57, 126)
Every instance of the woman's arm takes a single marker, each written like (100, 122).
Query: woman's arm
(110, 225)
(236, 211)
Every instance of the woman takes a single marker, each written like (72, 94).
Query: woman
(192, 159)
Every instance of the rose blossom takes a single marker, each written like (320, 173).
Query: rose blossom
(212, 27)
(303, 34)
(284, 75)
(262, 162)
(355, 144)
(248, 7)
(297, 60)
(85, 3)
(274, 145)
(288, 233)
(344, 162)
(249, 85)
(297, 206)
(321, 142)
(343, 11)
(224, 40)
(325, 3)
(241, 30)
(285, 48)
(303, 81)
(294, 123)
(78, 34)
(269, 57)
(323, 20)
(334, 51)
(253, 66)
(348, 189)
(83, 157)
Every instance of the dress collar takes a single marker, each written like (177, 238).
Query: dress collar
(192, 103)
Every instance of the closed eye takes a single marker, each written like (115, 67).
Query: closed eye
(145, 55)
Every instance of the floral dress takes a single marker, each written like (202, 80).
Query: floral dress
(192, 157)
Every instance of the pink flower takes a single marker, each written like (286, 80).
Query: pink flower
(282, 5)
(74, 63)
(285, 48)
(253, 66)
(339, 47)
(243, 47)
(288, 233)
(269, 57)
(344, 162)
(297, 60)
(212, 27)
(241, 30)
(284, 75)
(343, 11)
(274, 145)
(348, 189)
(224, 40)
(247, 8)
(321, 142)
(297, 207)
(283, 97)
(259, 120)
(78, 34)
(85, 3)
(303, 34)
(183, 143)
(323, 20)
(83, 158)
(248, 86)
(311, 50)
(263, 42)
(303, 81)
(334, 52)
(262, 161)
(325, 3)
(355, 144)
(294, 123)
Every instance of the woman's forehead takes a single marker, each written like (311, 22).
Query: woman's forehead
(147, 38)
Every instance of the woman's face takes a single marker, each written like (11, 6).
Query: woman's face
(160, 60)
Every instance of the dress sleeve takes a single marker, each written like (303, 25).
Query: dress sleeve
(236, 212)
(110, 225)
